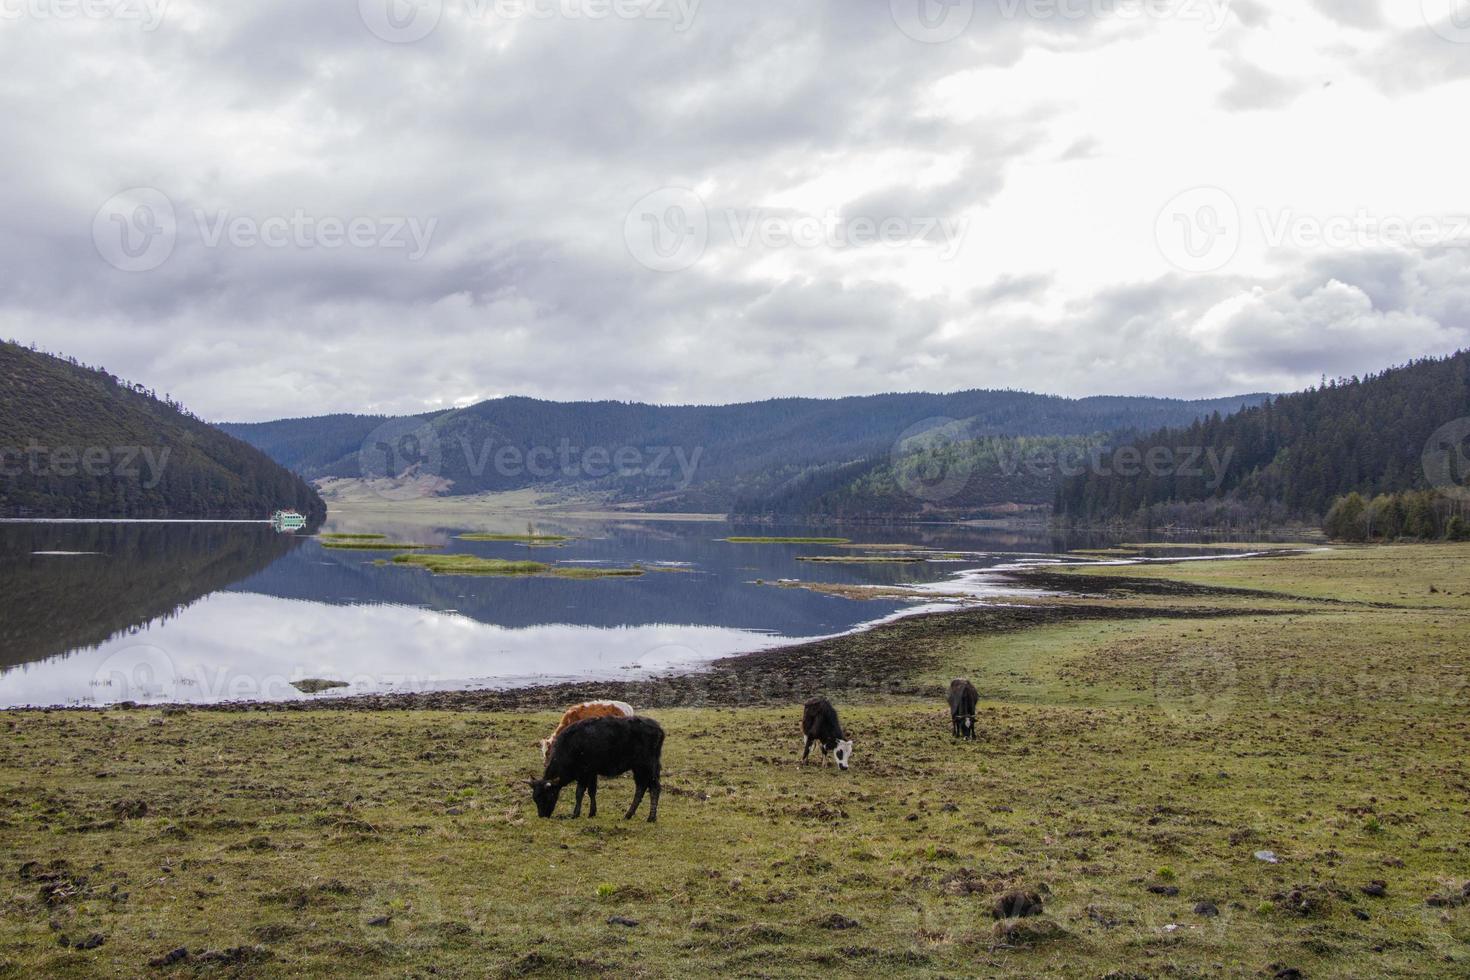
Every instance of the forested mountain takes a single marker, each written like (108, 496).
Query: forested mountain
(1292, 457)
(685, 457)
(77, 441)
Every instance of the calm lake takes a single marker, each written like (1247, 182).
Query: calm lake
(92, 614)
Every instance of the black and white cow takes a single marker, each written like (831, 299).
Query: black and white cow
(962, 701)
(608, 747)
(820, 725)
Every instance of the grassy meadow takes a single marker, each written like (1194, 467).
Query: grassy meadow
(1312, 709)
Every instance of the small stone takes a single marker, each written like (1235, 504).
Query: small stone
(91, 942)
(1268, 856)
(1360, 915)
(1207, 909)
(380, 921)
(619, 920)
(1168, 891)
(1375, 889)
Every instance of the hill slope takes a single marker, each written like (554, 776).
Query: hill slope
(684, 457)
(1290, 457)
(78, 442)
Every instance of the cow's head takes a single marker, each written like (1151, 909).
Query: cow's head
(843, 753)
(545, 748)
(545, 793)
(967, 724)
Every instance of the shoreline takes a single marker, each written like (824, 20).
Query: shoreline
(874, 661)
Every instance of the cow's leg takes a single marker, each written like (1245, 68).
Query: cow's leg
(655, 790)
(808, 750)
(592, 795)
(581, 791)
(637, 796)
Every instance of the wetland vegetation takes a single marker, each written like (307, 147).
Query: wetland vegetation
(1143, 741)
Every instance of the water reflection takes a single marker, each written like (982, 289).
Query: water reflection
(104, 613)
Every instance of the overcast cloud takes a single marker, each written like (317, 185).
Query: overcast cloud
(290, 208)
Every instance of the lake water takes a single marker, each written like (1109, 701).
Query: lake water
(92, 614)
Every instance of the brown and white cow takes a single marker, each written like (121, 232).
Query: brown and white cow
(581, 712)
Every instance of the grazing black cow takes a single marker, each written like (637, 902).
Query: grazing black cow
(962, 701)
(819, 724)
(603, 747)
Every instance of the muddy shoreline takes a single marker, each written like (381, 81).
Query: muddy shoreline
(879, 661)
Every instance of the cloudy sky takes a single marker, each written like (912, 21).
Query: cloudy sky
(291, 207)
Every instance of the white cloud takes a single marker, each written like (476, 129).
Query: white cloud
(1052, 142)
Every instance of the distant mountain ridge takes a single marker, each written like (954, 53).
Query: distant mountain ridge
(691, 457)
(77, 441)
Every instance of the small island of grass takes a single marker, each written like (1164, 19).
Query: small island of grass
(333, 535)
(476, 565)
(376, 546)
(747, 540)
(519, 538)
(864, 559)
(315, 685)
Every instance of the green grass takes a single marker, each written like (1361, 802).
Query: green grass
(374, 545)
(523, 538)
(471, 565)
(863, 559)
(476, 565)
(1115, 761)
(739, 540)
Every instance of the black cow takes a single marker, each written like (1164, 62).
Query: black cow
(602, 747)
(962, 701)
(819, 724)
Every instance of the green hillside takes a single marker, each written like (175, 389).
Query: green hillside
(77, 441)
